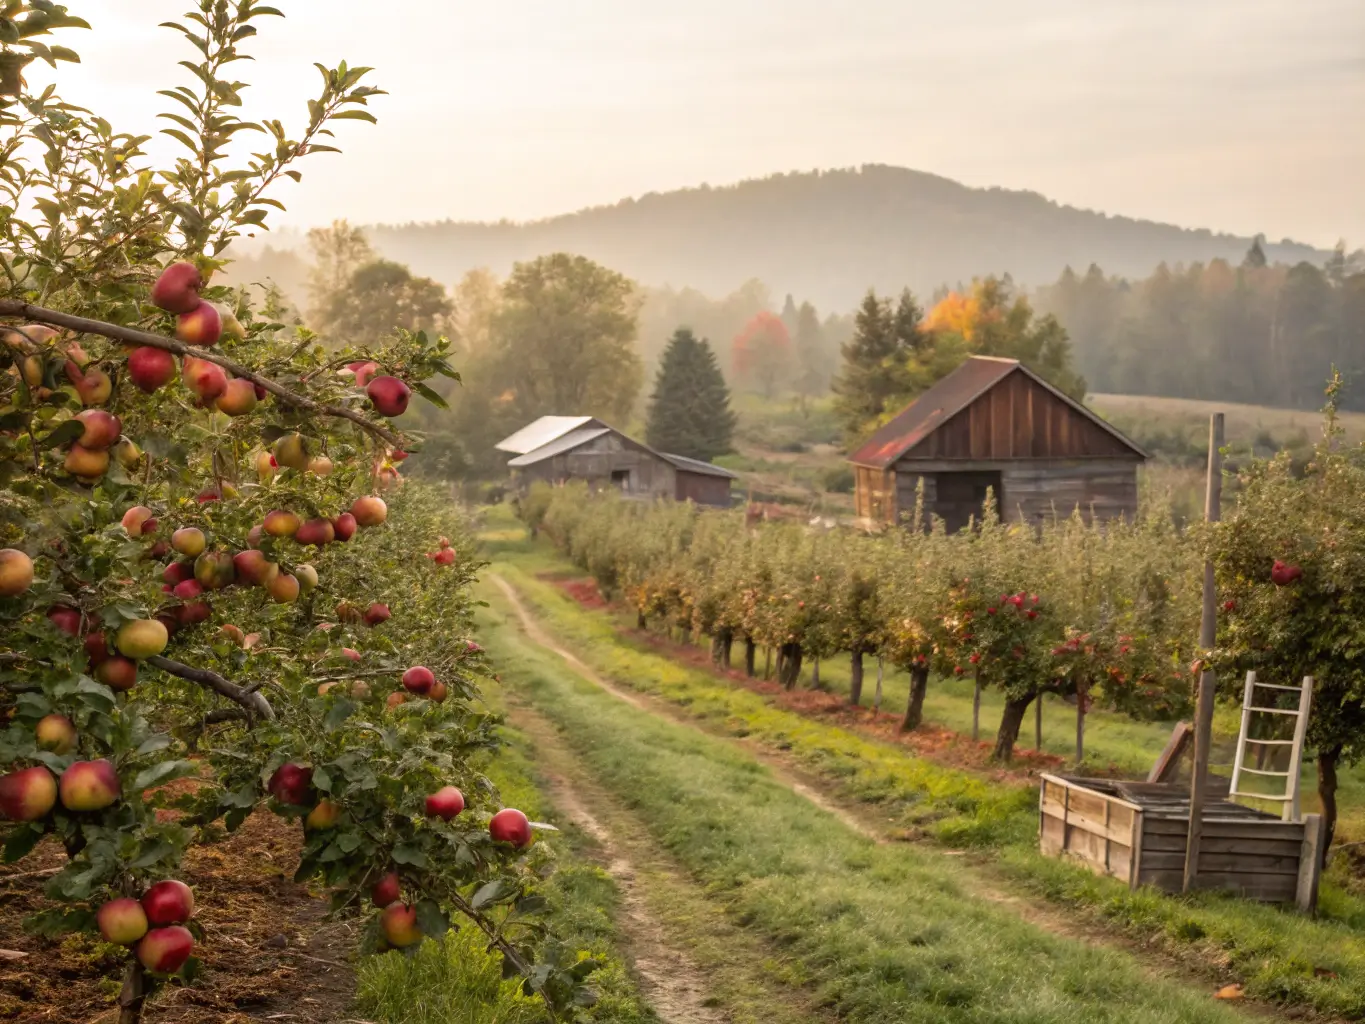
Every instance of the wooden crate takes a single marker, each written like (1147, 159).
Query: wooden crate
(1137, 833)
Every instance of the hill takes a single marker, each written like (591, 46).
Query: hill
(826, 236)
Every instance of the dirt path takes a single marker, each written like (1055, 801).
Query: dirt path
(981, 884)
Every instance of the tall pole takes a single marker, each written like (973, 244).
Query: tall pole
(1208, 636)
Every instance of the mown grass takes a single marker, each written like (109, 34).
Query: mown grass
(1278, 953)
(458, 981)
(881, 933)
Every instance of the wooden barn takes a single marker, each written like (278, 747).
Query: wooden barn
(995, 424)
(557, 449)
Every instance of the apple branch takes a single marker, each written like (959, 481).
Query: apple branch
(56, 318)
(253, 702)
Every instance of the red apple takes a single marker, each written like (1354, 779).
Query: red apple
(66, 619)
(399, 924)
(202, 325)
(165, 950)
(445, 803)
(92, 386)
(233, 633)
(369, 511)
(343, 527)
(395, 698)
(96, 647)
(28, 794)
(291, 784)
(89, 785)
(207, 380)
(55, 733)
(253, 537)
(150, 368)
(117, 673)
(511, 826)
(438, 693)
(1283, 574)
(178, 572)
(397, 455)
(122, 921)
(360, 690)
(168, 902)
(352, 654)
(238, 398)
(187, 590)
(376, 613)
(389, 395)
(177, 289)
(102, 429)
(446, 556)
(419, 680)
(348, 612)
(136, 518)
(363, 372)
(387, 890)
(316, 532)
(283, 588)
(16, 572)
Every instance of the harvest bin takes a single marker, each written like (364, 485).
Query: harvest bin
(1137, 831)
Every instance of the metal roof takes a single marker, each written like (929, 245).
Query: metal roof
(541, 432)
(559, 445)
(945, 400)
(697, 466)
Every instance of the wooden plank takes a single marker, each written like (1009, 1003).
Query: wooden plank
(1168, 763)
(1052, 835)
(1310, 864)
(1155, 842)
(1229, 863)
(1085, 786)
(1266, 888)
(1135, 844)
(1117, 830)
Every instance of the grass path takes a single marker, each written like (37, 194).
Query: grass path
(881, 932)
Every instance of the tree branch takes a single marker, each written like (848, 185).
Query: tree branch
(253, 702)
(56, 318)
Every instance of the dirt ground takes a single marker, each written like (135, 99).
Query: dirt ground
(268, 955)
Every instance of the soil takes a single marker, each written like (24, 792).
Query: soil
(268, 953)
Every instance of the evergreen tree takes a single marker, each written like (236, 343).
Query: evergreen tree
(812, 356)
(872, 378)
(689, 412)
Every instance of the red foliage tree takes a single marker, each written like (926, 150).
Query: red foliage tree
(762, 353)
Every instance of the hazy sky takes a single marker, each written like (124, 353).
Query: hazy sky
(1240, 115)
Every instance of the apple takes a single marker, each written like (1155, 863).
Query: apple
(202, 325)
(194, 612)
(127, 454)
(214, 570)
(291, 451)
(445, 803)
(324, 816)
(122, 921)
(28, 794)
(387, 890)
(253, 568)
(308, 577)
(360, 690)
(96, 647)
(238, 398)
(280, 523)
(389, 479)
(397, 455)
(389, 395)
(399, 924)
(189, 540)
(316, 532)
(32, 369)
(102, 429)
(135, 518)
(352, 654)
(177, 572)
(510, 826)
(472, 647)
(165, 950)
(150, 368)
(394, 699)
(89, 785)
(283, 588)
(443, 543)
(85, 463)
(168, 902)
(348, 612)
(254, 535)
(55, 733)
(320, 465)
(291, 784)
(215, 493)
(232, 327)
(446, 556)
(67, 619)
(117, 673)
(233, 633)
(187, 590)
(266, 467)
(142, 638)
(343, 527)
(325, 688)
(376, 614)
(93, 386)
(170, 618)
(363, 371)
(369, 511)
(177, 289)
(439, 692)
(419, 680)
(16, 572)
(1283, 574)
(207, 380)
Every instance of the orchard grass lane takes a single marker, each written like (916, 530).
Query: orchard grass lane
(1277, 953)
(878, 932)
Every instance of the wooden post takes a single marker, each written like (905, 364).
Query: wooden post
(877, 699)
(1038, 724)
(1310, 864)
(1168, 763)
(976, 708)
(1082, 696)
(1208, 635)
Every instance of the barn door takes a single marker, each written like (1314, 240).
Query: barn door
(960, 496)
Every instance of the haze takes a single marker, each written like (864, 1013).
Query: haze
(1238, 115)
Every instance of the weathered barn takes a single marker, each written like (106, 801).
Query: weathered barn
(995, 424)
(557, 449)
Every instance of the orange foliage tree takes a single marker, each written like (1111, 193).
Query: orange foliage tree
(762, 354)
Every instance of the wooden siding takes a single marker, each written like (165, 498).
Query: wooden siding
(1019, 419)
(596, 461)
(874, 494)
(1104, 488)
(703, 488)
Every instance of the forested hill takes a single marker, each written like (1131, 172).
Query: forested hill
(826, 236)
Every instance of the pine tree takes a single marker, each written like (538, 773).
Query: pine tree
(689, 412)
(873, 370)
(812, 356)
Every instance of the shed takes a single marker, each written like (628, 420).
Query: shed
(995, 424)
(701, 482)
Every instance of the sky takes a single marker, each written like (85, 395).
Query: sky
(1237, 115)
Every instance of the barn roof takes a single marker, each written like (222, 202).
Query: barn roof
(542, 432)
(697, 466)
(949, 397)
(564, 443)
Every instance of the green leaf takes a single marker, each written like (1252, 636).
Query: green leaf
(21, 841)
(163, 772)
(350, 842)
(152, 854)
(159, 741)
(322, 779)
(411, 855)
(59, 921)
(355, 115)
(488, 893)
(338, 713)
(64, 434)
(430, 396)
(431, 919)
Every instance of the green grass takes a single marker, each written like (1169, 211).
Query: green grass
(880, 932)
(1275, 951)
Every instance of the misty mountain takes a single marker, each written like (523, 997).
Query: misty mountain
(826, 236)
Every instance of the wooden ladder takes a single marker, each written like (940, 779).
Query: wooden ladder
(1290, 798)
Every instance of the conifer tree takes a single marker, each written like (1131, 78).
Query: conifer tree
(689, 412)
(871, 378)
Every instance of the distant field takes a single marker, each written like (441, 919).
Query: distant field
(1244, 424)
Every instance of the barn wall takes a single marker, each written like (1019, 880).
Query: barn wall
(703, 488)
(596, 461)
(1019, 419)
(907, 485)
(874, 494)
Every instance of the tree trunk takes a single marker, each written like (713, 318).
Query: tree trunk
(1327, 793)
(767, 663)
(686, 640)
(1038, 725)
(855, 677)
(750, 651)
(720, 648)
(789, 665)
(877, 698)
(815, 673)
(1082, 700)
(976, 708)
(725, 650)
(914, 710)
(1010, 723)
(640, 621)
(131, 997)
